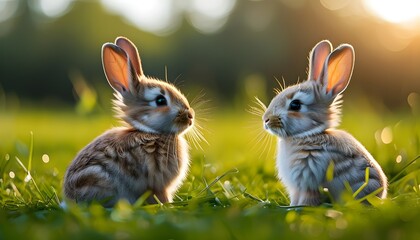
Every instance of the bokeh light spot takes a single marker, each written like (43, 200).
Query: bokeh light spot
(45, 158)
(210, 16)
(413, 99)
(8, 9)
(214, 8)
(393, 41)
(12, 175)
(157, 16)
(386, 135)
(52, 8)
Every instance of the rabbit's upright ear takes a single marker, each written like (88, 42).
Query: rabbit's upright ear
(337, 70)
(132, 52)
(118, 68)
(317, 59)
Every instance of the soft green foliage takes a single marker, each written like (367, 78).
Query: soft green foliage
(231, 191)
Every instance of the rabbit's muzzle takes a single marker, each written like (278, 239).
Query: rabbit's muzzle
(185, 117)
(272, 123)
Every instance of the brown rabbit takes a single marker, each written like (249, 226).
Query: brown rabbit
(150, 154)
(304, 117)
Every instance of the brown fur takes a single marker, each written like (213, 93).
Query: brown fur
(150, 154)
(130, 163)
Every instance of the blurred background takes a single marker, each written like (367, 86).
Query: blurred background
(52, 83)
(231, 49)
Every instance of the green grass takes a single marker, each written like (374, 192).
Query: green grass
(231, 191)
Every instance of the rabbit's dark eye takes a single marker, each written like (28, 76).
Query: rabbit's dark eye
(295, 105)
(161, 101)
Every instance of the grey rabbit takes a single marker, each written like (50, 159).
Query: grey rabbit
(304, 117)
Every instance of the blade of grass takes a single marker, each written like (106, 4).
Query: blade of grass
(364, 184)
(217, 179)
(31, 178)
(31, 151)
(402, 170)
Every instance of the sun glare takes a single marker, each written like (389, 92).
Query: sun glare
(165, 16)
(210, 16)
(52, 8)
(8, 9)
(394, 11)
(158, 16)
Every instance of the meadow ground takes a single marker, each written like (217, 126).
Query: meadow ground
(231, 191)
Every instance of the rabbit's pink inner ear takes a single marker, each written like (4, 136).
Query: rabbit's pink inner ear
(339, 69)
(117, 67)
(132, 52)
(317, 59)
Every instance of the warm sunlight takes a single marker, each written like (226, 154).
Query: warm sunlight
(159, 16)
(52, 8)
(8, 9)
(394, 11)
(165, 16)
(210, 16)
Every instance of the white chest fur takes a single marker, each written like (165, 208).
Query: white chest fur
(300, 167)
(284, 153)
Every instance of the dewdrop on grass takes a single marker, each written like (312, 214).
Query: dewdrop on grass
(28, 177)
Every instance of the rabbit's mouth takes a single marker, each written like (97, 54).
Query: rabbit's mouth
(184, 119)
(273, 125)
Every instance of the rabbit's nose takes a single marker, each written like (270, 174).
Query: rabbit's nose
(266, 123)
(185, 116)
